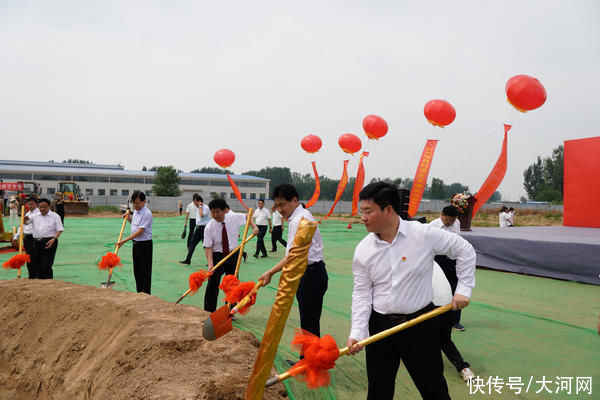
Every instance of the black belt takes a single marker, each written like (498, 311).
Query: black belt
(42, 239)
(400, 318)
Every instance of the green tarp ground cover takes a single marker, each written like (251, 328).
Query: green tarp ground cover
(518, 328)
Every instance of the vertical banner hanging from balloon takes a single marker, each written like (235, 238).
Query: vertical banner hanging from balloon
(420, 181)
(358, 184)
(495, 177)
(225, 158)
(311, 144)
(340, 188)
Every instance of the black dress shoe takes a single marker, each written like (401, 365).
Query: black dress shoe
(273, 251)
(244, 256)
(264, 255)
(184, 262)
(292, 363)
(255, 255)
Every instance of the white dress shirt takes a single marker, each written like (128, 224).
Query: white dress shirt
(442, 291)
(203, 220)
(45, 226)
(213, 233)
(396, 278)
(509, 219)
(277, 218)
(503, 219)
(191, 210)
(142, 219)
(454, 228)
(315, 252)
(27, 225)
(261, 216)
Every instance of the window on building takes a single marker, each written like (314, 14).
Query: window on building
(232, 195)
(243, 195)
(101, 192)
(223, 195)
(261, 196)
(214, 195)
(113, 192)
(50, 191)
(253, 195)
(89, 192)
(125, 192)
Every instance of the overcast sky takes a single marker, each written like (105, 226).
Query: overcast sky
(170, 82)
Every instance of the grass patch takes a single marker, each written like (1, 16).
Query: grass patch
(101, 209)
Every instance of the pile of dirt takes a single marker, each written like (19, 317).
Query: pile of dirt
(67, 341)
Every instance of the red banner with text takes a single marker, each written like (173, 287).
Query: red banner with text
(17, 186)
(420, 181)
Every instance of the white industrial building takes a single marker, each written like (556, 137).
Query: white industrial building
(101, 182)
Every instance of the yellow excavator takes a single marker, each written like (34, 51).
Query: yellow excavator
(71, 194)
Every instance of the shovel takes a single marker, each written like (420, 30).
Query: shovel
(219, 322)
(108, 282)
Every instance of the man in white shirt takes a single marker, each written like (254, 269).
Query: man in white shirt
(141, 235)
(47, 227)
(262, 219)
(277, 231)
(221, 237)
(28, 241)
(393, 268)
(313, 284)
(503, 217)
(510, 218)
(202, 218)
(190, 213)
(448, 221)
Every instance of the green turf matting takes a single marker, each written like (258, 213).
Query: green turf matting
(535, 331)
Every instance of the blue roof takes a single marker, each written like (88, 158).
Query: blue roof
(114, 172)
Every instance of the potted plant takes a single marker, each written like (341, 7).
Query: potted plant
(464, 203)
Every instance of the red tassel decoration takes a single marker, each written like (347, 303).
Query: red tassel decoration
(109, 260)
(197, 279)
(320, 355)
(16, 261)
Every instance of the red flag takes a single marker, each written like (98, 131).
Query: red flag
(420, 181)
(340, 188)
(317, 191)
(236, 190)
(358, 183)
(495, 178)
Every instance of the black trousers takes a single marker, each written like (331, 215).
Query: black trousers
(142, 265)
(277, 236)
(197, 238)
(311, 290)
(446, 322)
(192, 226)
(62, 218)
(260, 242)
(449, 267)
(43, 258)
(419, 348)
(29, 245)
(212, 286)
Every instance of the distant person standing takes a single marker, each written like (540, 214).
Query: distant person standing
(190, 213)
(202, 218)
(262, 219)
(503, 217)
(13, 206)
(59, 207)
(28, 241)
(141, 235)
(47, 227)
(180, 207)
(277, 231)
(510, 220)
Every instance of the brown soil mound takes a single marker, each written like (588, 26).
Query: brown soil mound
(67, 341)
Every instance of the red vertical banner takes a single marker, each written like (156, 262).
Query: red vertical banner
(495, 177)
(317, 191)
(340, 188)
(236, 191)
(420, 181)
(359, 182)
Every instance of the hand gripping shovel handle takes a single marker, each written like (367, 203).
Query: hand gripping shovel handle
(247, 298)
(219, 264)
(371, 339)
(110, 271)
(21, 237)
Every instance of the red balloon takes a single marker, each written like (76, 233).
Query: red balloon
(439, 112)
(71, 197)
(311, 143)
(224, 158)
(525, 93)
(349, 143)
(375, 127)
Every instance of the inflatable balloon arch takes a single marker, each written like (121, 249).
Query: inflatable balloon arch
(524, 93)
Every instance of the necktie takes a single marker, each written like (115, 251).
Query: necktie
(225, 240)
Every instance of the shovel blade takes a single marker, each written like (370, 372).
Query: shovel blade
(217, 324)
(110, 284)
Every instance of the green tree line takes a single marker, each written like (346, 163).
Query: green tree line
(543, 180)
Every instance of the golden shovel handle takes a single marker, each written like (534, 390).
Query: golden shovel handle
(246, 298)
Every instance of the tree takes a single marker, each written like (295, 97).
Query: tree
(144, 168)
(211, 170)
(496, 196)
(454, 188)
(543, 180)
(277, 175)
(166, 181)
(533, 178)
(74, 161)
(437, 190)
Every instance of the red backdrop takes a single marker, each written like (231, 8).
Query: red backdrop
(582, 183)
